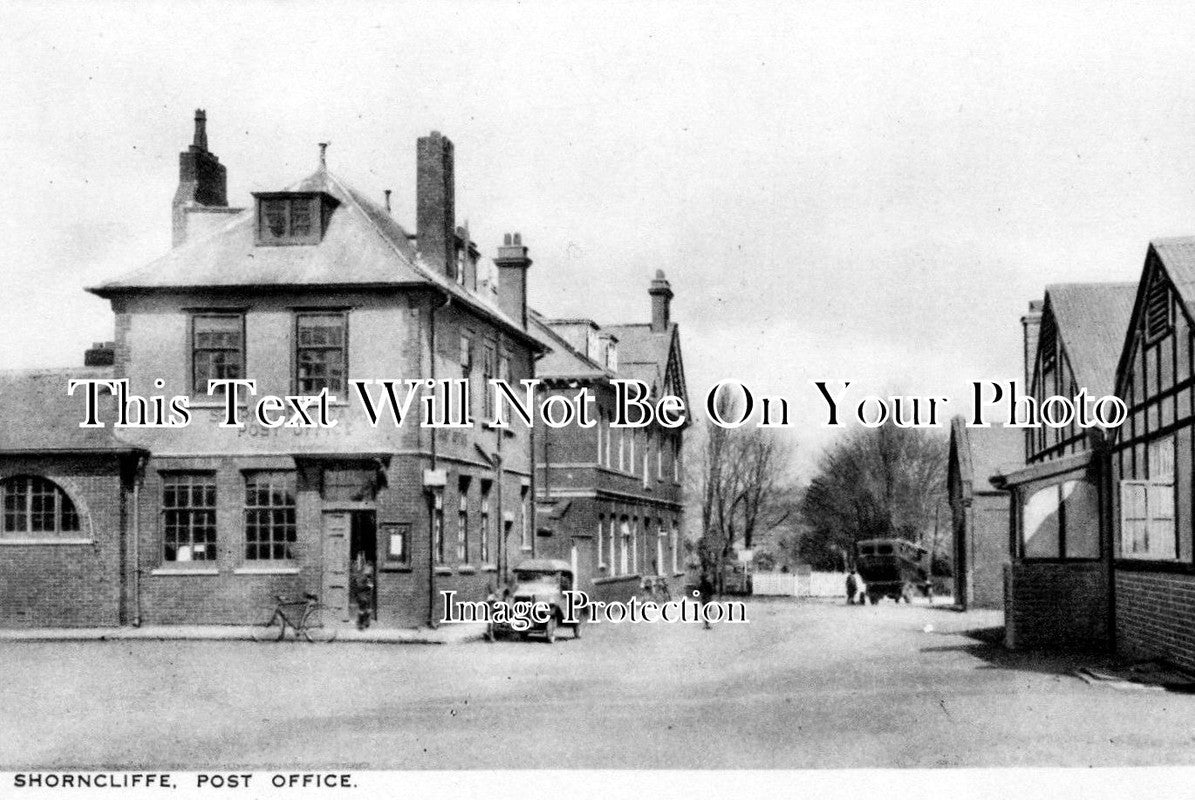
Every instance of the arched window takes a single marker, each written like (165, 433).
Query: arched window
(36, 505)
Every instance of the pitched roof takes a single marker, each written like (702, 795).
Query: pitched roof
(564, 361)
(984, 452)
(1092, 319)
(363, 247)
(1178, 256)
(643, 353)
(37, 415)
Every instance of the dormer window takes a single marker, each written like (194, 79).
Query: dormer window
(285, 218)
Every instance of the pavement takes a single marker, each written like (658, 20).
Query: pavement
(802, 685)
(456, 633)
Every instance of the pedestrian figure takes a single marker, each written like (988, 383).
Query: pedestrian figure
(852, 587)
(705, 590)
(361, 582)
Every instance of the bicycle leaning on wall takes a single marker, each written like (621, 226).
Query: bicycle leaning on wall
(301, 616)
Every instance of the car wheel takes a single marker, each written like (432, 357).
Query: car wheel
(550, 630)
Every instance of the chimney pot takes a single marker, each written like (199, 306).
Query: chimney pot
(512, 263)
(200, 139)
(1031, 328)
(661, 302)
(202, 180)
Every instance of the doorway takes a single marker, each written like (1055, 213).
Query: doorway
(363, 564)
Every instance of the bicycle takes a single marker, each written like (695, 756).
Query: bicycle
(307, 627)
(656, 588)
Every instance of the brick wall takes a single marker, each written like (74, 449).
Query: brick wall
(1051, 604)
(1155, 616)
(67, 585)
(989, 550)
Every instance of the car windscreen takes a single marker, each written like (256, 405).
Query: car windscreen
(547, 579)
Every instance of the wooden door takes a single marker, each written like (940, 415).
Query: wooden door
(335, 591)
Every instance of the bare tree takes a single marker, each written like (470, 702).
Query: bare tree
(874, 482)
(741, 476)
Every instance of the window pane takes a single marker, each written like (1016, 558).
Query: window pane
(300, 217)
(1133, 500)
(189, 517)
(1041, 524)
(320, 354)
(269, 515)
(217, 349)
(275, 217)
(1081, 509)
(1161, 459)
(33, 504)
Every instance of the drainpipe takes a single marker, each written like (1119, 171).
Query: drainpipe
(137, 474)
(431, 501)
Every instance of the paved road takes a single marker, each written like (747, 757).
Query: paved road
(803, 685)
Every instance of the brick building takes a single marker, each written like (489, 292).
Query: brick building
(1057, 585)
(610, 498)
(66, 491)
(309, 287)
(979, 511)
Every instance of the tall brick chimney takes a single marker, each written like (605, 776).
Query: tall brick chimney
(661, 302)
(202, 181)
(512, 263)
(1031, 324)
(435, 196)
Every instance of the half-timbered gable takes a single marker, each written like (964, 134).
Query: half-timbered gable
(1151, 462)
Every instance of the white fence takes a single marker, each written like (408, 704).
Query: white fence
(791, 584)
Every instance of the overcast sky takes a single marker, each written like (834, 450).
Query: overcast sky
(867, 192)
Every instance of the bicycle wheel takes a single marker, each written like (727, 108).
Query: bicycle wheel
(311, 628)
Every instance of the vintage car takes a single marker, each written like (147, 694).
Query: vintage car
(543, 580)
(893, 568)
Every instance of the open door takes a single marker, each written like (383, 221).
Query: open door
(335, 592)
(363, 564)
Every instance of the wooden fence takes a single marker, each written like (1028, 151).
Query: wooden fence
(793, 584)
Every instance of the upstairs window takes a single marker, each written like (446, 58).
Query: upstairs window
(488, 367)
(462, 529)
(320, 355)
(292, 217)
(217, 349)
(34, 505)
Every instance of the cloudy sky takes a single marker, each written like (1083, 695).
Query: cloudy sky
(843, 191)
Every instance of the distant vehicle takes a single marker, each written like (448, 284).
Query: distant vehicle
(893, 568)
(543, 580)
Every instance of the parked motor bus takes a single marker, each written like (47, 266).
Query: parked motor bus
(893, 568)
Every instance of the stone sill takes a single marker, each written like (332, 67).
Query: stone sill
(185, 572)
(266, 571)
(617, 578)
(7, 540)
